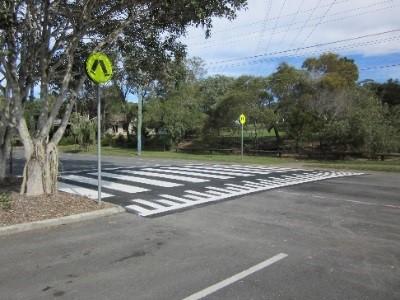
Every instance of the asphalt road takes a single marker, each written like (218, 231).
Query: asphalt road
(341, 237)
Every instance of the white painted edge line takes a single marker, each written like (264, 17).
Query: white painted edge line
(224, 283)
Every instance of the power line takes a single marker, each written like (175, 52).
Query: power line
(270, 19)
(292, 21)
(365, 69)
(301, 29)
(275, 26)
(266, 19)
(269, 59)
(251, 35)
(380, 67)
(303, 48)
(319, 22)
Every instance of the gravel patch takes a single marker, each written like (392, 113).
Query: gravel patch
(23, 209)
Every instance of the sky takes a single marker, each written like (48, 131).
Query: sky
(270, 32)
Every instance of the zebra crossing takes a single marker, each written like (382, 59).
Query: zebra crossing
(159, 190)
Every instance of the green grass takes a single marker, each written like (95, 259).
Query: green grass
(249, 132)
(128, 152)
(361, 165)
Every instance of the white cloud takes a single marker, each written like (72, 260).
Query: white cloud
(344, 19)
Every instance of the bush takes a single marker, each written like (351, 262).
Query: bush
(107, 140)
(120, 141)
(67, 140)
(5, 200)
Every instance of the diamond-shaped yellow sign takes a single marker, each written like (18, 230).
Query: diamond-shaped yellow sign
(98, 67)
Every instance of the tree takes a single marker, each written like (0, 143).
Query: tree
(5, 131)
(332, 71)
(388, 92)
(174, 106)
(44, 42)
(291, 90)
(83, 129)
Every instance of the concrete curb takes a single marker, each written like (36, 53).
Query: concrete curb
(60, 221)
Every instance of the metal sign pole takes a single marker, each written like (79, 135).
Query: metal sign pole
(98, 143)
(241, 152)
(139, 125)
(98, 68)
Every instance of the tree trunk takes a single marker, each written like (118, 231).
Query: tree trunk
(41, 169)
(4, 151)
(255, 136)
(277, 136)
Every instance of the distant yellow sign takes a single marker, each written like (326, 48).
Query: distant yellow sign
(98, 67)
(242, 119)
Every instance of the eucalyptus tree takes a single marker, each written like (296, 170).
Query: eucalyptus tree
(44, 41)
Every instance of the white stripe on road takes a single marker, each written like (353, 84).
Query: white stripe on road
(139, 179)
(197, 193)
(208, 171)
(167, 202)
(106, 184)
(189, 173)
(192, 198)
(138, 209)
(148, 203)
(81, 191)
(224, 283)
(179, 199)
(167, 176)
(233, 170)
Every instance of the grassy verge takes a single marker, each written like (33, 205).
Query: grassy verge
(361, 165)
(128, 152)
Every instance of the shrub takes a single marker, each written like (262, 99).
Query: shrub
(5, 200)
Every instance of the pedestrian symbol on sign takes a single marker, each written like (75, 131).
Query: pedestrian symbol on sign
(242, 119)
(99, 68)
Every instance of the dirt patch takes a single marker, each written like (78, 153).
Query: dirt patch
(22, 209)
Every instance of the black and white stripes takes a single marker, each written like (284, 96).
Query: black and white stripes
(152, 191)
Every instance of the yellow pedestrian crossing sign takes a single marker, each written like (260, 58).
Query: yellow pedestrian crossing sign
(98, 67)
(242, 119)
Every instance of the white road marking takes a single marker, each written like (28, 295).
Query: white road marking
(138, 209)
(81, 191)
(224, 283)
(194, 197)
(216, 193)
(189, 173)
(222, 190)
(168, 176)
(106, 184)
(241, 187)
(208, 171)
(236, 171)
(170, 203)
(139, 179)
(179, 199)
(148, 203)
(232, 190)
(197, 193)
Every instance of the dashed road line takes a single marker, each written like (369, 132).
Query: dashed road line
(239, 276)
